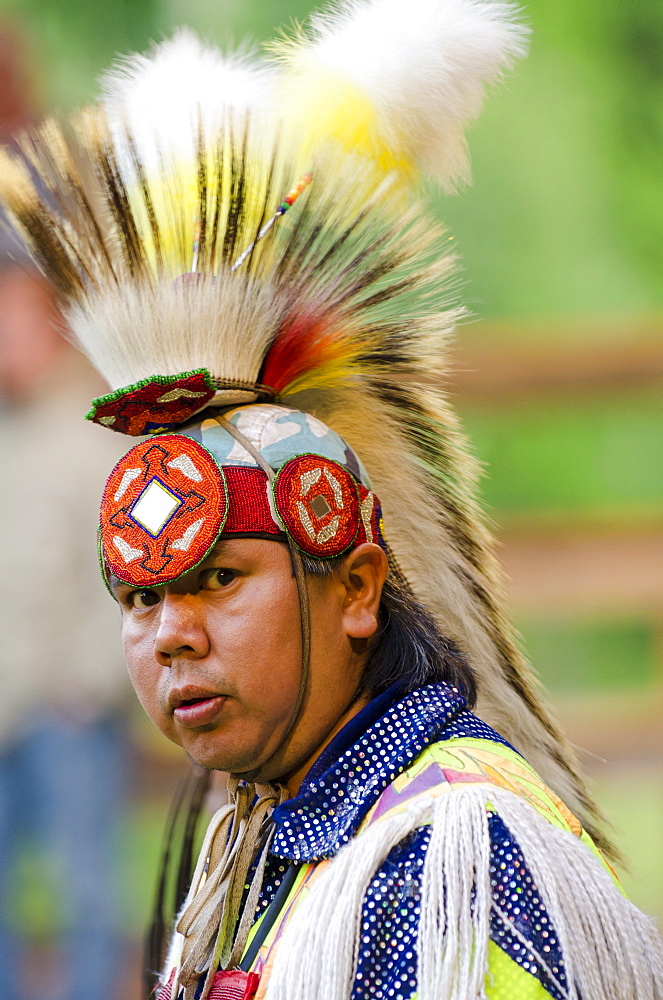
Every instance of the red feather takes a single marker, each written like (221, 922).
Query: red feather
(306, 342)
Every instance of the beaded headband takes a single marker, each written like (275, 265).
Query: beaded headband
(168, 500)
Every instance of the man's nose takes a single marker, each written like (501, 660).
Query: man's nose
(182, 629)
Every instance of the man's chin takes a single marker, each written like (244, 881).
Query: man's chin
(261, 759)
(240, 762)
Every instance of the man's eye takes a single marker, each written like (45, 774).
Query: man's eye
(141, 599)
(216, 579)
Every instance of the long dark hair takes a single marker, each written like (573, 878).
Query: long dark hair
(175, 870)
(408, 646)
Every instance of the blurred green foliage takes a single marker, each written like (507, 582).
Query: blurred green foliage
(566, 214)
(37, 908)
(71, 42)
(570, 454)
(633, 799)
(582, 657)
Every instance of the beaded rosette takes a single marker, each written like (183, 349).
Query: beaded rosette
(324, 510)
(168, 500)
(164, 506)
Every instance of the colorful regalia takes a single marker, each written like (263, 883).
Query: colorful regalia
(243, 249)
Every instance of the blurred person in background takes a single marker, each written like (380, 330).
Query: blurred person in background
(63, 685)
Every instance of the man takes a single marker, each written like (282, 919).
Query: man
(381, 840)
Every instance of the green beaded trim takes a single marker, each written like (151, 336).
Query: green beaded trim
(164, 380)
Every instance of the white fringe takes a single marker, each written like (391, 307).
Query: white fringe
(453, 928)
(317, 956)
(611, 950)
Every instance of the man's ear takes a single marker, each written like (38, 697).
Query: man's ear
(362, 573)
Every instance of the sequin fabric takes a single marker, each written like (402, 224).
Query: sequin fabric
(518, 898)
(275, 869)
(387, 965)
(339, 791)
(330, 807)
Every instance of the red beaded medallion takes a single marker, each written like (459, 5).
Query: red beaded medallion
(318, 503)
(164, 506)
(154, 405)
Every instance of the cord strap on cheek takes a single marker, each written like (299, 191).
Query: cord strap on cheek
(302, 590)
(237, 834)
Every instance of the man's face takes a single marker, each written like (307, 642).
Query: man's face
(216, 658)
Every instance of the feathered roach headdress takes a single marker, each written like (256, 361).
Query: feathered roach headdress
(252, 233)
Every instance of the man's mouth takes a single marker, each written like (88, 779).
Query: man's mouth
(193, 706)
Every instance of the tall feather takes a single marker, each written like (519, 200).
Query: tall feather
(160, 98)
(344, 307)
(401, 80)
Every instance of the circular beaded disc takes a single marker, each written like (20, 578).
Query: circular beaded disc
(318, 504)
(164, 507)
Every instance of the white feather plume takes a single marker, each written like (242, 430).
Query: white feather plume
(162, 96)
(424, 64)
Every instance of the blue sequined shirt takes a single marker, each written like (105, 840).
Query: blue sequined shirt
(347, 779)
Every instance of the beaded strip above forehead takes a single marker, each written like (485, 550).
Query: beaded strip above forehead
(278, 433)
(172, 496)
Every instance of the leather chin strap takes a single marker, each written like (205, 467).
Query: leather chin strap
(304, 607)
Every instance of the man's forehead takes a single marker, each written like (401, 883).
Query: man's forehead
(228, 545)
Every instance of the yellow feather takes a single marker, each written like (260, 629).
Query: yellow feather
(16, 187)
(325, 107)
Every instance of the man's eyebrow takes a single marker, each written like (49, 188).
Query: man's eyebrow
(219, 546)
(218, 549)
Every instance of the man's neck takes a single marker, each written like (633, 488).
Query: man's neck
(293, 780)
